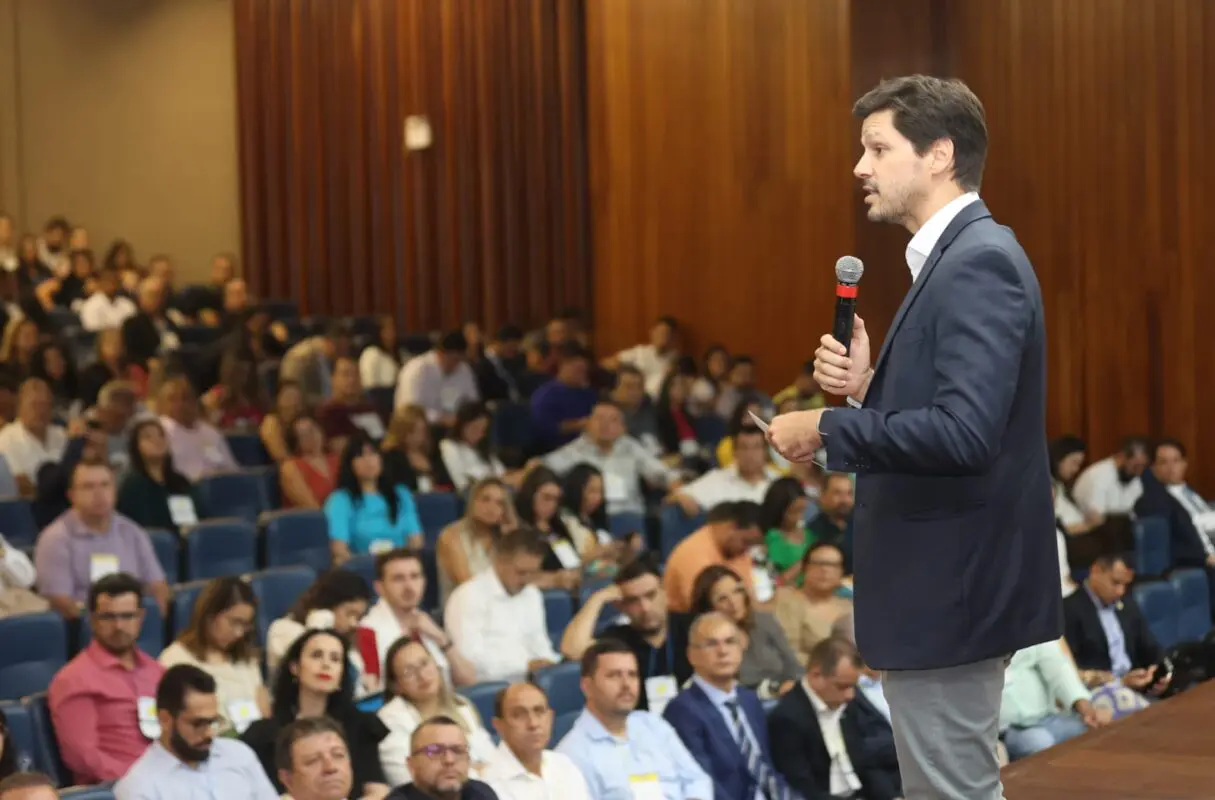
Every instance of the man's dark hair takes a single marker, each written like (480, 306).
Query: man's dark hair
(431, 723)
(59, 223)
(639, 567)
(827, 655)
(397, 554)
(743, 513)
(742, 359)
(1108, 561)
(500, 697)
(926, 109)
(567, 351)
(87, 463)
(298, 729)
(627, 369)
(524, 539)
(602, 647)
(510, 333)
(817, 547)
(1169, 442)
(115, 584)
(1136, 445)
(25, 780)
(835, 476)
(177, 680)
(669, 321)
(748, 430)
(453, 342)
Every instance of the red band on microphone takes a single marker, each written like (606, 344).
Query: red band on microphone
(844, 290)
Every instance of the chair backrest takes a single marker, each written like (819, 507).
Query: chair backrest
(22, 731)
(151, 635)
(48, 760)
(296, 537)
(167, 545)
(710, 429)
(676, 527)
(436, 510)
(35, 649)
(234, 494)
(364, 567)
(277, 590)
(558, 611)
(247, 449)
(626, 522)
(511, 426)
(482, 696)
(1152, 551)
(219, 547)
(1194, 601)
(561, 684)
(17, 521)
(185, 595)
(561, 726)
(1160, 606)
(8, 484)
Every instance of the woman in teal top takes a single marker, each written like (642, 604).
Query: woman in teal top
(367, 513)
(782, 516)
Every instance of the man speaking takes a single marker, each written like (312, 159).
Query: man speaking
(954, 549)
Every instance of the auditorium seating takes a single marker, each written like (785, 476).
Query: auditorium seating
(561, 684)
(36, 647)
(482, 696)
(1159, 602)
(625, 523)
(558, 611)
(561, 726)
(295, 537)
(436, 510)
(676, 526)
(1194, 604)
(1152, 551)
(167, 545)
(277, 590)
(247, 449)
(17, 521)
(219, 547)
(234, 494)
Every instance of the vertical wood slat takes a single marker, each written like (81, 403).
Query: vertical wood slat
(338, 217)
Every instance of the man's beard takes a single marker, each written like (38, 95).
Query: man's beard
(1125, 477)
(183, 750)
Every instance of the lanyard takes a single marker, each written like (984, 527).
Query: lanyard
(670, 650)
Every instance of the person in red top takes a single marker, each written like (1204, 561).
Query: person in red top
(348, 410)
(102, 703)
(310, 474)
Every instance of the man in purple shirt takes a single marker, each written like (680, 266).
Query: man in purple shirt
(561, 407)
(90, 541)
(197, 446)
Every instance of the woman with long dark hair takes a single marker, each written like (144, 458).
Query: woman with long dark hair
(153, 493)
(468, 452)
(367, 512)
(538, 504)
(314, 681)
(782, 518)
(1067, 455)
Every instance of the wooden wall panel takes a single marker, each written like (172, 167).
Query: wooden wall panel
(489, 224)
(720, 147)
(1100, 113)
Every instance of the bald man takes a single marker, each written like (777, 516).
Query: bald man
(522, 767)
(27, 786)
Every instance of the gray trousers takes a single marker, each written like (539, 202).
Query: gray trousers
(946, 725)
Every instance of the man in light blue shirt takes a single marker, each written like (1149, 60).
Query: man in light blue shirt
(626, 754)
(186, 761)
(1037, 683)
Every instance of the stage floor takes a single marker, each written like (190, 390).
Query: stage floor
(1166, 752)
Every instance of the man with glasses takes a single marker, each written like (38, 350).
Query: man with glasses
(102, 704)
(523, 768)
(187, 760)
(313, 760)
(438, 762)
(721, 722)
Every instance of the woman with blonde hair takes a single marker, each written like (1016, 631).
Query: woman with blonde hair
(465, 545)
(414, 691)
(221, 640)
(409, 452)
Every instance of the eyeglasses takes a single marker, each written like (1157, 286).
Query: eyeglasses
(117, 616)
(437, 751)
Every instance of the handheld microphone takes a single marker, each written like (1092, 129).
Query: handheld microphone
(848, 271)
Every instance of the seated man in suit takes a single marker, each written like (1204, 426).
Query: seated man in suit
(720, 722)
(1108, 634)
(828, 740)
(1191, 520)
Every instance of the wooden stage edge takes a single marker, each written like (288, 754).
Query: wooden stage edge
(1165, 752)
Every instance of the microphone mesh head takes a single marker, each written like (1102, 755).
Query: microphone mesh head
(848, 270)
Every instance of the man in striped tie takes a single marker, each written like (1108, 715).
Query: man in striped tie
(722, 723)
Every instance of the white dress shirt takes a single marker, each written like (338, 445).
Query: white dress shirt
(422, 382)
(16, 569)
(466, 465)
(1099, 489)
(1065, 510)
(725, 485)
(652, 364)
(381, 621)
(101, 312)
(925, 239)
(844, 780)
(559, 777)
(498, 632)
(402, 719)
(377, 369)
(25, 453)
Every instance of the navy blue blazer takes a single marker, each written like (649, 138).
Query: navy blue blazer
(703, 730)
(1185, 542)
(953, 547)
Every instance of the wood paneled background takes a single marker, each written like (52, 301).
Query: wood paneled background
(694, 157)
(489, 224)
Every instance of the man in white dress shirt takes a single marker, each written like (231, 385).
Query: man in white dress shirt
(748, 478)
(1112, 485)
(106, 308)
(523, 769)
(497, 619)
(400, 581)
(313, 760)
(439, 381)
(655, 359)
(32, 439)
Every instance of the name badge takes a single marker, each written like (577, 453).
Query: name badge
(380, 546)
(242, 714)
(182, 511)
(646, 787)
(566, 554)
(763, 584)
(689, 448)
(660, 690)
(425, 484)
(370, 424)
(149, 725)
(102, 564)
(614, 487)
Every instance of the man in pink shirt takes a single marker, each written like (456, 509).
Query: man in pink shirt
(102, 703)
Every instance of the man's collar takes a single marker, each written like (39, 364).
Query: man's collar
(104, 659)
(717, 696)
(510, 764)
(1098, 602)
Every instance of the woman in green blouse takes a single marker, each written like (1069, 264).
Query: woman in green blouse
(783, 518)
(153, 494)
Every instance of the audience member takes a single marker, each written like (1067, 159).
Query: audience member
(804, 392)
(782, 518)
(561, 407)
(110, 366)
(221, 640)
(288, 407)
(1044, 701)
(336, 601)
(150, 331)
(310, 475)
(415, 691)
(198, 448)
(827, 739)
(807, 612)
(1067, 454)
(522, 768)
(52, 364)
(21, 339)
(313, 760)
(1111, 485)
(17, 596)
(187, 713)
(537, 505)
(439, 381)
(748, 478)
(32, 439)
(729, 531)
(439, 764)
(409, 453)
(497, 618)
(400, 583)
(106, 308)
(623, 752)
(91, 541)
(739, 387)
(464, 545)
(675, 421)
(311, 362)
(367, 513)
(640, 419)
(833, 523)
(153, 494)
(380, 361)
(348, 410)
(237, 401)
(655, 359)
(467, 450)
(103, 703)
(502, 366)
(314, 680)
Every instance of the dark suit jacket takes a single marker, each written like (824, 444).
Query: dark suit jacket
(141, 337)
(711, 742)
(1184, 541)
(801, 754)
(953, 533)
(1087, 640)
(473, 790)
